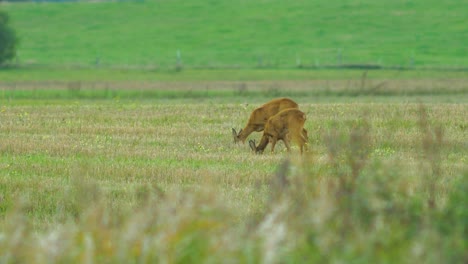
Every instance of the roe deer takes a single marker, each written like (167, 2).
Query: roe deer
(287, 125)
(259, 117)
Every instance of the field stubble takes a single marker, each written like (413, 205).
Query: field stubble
(162, 180)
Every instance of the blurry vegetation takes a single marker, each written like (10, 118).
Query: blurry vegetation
(361, 209)
(8, 39)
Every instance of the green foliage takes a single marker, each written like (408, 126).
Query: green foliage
(456, 214)
(8, 40)
(453, 221)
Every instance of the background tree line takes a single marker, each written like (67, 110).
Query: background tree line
(8, 39)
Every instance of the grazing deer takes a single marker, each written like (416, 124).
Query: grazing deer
(259, 117)
(287, 125)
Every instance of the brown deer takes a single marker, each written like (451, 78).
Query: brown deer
(287, 125)
(259, 117)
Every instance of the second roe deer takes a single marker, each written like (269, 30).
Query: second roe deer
(260, 115)
(287, 125)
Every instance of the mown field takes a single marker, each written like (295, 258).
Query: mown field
(158, 179)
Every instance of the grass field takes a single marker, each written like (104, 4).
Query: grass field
(145, 180)
(241, 34)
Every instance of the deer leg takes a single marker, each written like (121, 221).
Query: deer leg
(287, 144)
(305, 134)
(273, 143)
(303, 142)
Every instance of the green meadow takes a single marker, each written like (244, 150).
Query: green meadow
(116, 145)
(242, 34)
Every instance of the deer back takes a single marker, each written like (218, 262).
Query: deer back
(287, 121)
(264, 112)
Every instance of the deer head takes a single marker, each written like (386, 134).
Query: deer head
(236, 135)
(253, 147)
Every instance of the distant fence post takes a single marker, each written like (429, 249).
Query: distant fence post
(178, 61)
(339, 57)
(260, 61)
(412, 60)
(298, 61)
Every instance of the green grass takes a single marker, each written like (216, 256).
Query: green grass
(21, 74)
(148, 180)
(244, 34)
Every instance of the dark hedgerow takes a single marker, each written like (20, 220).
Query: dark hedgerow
(8, 39)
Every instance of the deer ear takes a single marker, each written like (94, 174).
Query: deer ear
(252, 145)
(234, 135)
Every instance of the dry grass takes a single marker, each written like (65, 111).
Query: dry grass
(161, 180)
(359, 83)
(358, 88)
